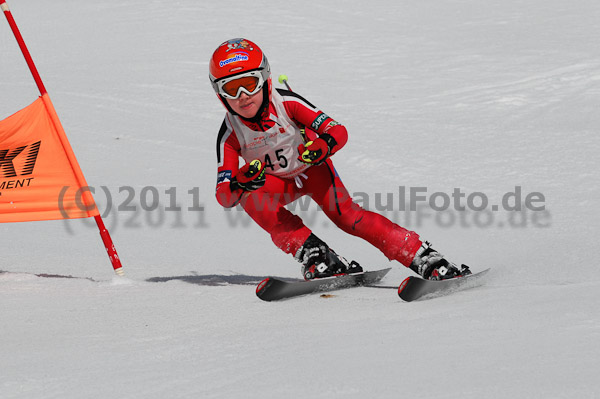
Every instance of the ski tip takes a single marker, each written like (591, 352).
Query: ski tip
(403, 285)
(262, 286)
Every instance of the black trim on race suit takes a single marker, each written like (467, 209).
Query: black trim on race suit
(332, 175)
(222, 132)
(285, 92)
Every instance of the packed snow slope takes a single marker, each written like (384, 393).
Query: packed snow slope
(487, 97)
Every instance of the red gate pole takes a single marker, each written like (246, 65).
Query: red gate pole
(22, 46)
(106, 239)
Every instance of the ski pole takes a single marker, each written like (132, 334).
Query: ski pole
(283, 79)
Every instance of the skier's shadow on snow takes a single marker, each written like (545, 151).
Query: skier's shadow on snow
(216, 279)
(193, 278)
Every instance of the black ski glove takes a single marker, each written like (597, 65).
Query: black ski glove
(250, 177)
(317, 151)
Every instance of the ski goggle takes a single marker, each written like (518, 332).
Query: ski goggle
(249, 83)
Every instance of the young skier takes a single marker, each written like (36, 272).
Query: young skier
(287, 144)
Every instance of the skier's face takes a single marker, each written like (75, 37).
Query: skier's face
(245, 105)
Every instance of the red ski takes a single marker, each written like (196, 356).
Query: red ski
(414, 288)
(273, 289)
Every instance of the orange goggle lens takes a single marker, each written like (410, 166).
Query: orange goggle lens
(250, 83)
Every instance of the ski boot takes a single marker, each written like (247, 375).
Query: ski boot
(318, 260)
(431, 265)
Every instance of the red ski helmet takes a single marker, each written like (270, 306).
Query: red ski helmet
(236, 59)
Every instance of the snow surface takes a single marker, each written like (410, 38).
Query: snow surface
(477, 95)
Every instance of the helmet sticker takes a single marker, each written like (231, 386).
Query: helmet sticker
(237, 44)
(235, 57)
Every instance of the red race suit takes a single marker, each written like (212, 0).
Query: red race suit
(273, 138)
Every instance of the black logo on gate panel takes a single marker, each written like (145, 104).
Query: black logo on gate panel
(9, 168)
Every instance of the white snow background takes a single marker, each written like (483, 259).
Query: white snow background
(478, 95)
